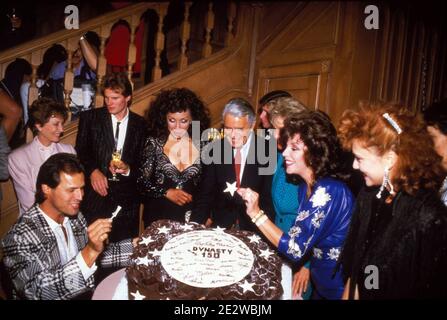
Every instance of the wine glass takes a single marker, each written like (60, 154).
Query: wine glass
(116, 160)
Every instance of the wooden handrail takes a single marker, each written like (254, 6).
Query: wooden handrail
(25, 50)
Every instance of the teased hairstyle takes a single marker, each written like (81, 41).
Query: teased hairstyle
(436, 116)
(43, 109)
(49, 172)
(324, 154)
(172, 101)
(273, 95)
(418, 166)
(118, 82)
(239, 107)
(285, 107)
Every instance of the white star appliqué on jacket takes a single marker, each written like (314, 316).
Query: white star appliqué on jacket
(320, 197)
(333, 253)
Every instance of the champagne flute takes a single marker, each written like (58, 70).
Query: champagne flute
(116, 159)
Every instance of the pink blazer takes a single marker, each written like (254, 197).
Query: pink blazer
(24, 164)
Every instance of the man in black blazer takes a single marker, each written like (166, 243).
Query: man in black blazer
(217, 198)
(102, 131)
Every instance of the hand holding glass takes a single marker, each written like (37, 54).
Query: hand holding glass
(116, 161)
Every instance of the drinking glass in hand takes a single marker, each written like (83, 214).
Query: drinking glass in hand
(116, 160)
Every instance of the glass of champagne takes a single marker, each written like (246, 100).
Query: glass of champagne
(116, 160)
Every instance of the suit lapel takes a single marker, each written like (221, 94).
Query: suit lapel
(78, 227)
(106, 121)
(48, 239)
(248, 169)
(130, 136)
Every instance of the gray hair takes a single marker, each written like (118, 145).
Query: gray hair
(284, 107)
(239, 107)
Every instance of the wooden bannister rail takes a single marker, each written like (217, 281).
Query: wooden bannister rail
(188, 65)
(33, 51)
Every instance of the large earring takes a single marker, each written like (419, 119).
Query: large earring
(385, 181)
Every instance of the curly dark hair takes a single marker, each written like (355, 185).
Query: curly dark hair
(324, 154)
(418, 166)
(171, 101)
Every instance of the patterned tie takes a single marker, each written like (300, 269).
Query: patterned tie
(117, 134)
(237, 166)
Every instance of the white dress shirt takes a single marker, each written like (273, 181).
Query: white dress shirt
(121, 133)
(123, 129)
(68, 249)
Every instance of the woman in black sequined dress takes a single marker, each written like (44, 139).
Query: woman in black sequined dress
(170, 168)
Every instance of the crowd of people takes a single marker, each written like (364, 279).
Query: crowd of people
(291, 183)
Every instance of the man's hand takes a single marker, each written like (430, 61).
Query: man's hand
(99, 182)
(300, 282)
(178, 196)
(118, 167)
(98, 233)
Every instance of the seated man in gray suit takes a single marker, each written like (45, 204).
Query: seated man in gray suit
(50, 253)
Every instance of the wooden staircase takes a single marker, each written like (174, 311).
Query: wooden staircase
(318, 51)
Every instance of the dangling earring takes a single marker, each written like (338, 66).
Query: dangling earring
(385, 181)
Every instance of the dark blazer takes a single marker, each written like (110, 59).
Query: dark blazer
(224, 209)
(94, 146)
(32, 259)
(410, 251)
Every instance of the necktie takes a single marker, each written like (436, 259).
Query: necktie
(117, 134)
(237, 166)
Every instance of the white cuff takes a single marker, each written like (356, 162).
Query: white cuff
(87, 271)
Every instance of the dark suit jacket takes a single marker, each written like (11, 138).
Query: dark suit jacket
(94, 146)
(224, 209)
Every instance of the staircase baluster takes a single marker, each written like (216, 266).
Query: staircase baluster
(159, 41)
(231, 17)
(209, 25)
(69, 75)
(132, 53)
(104, 33)
(184, 35)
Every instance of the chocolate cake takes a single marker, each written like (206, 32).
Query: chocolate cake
(176, 260)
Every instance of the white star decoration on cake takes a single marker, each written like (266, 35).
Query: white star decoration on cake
(164, 230)
(146, 241)
(137, 295)
(155, 253)
(186, 227)
(247, 286)
(231, 188)
(266, 253)
(219, 229)
(254, 238)
(144, 260)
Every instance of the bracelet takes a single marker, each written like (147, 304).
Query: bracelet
(256, 217)
(261, 220)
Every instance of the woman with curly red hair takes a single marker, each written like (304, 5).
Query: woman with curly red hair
(397, 242)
